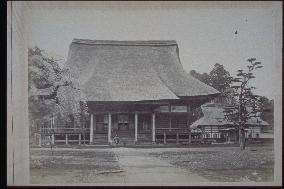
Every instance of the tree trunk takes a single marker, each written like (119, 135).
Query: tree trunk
(242, 138)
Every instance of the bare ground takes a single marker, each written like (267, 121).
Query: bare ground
(150, 166)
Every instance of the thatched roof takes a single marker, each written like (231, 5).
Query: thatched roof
(132, 71)
(214, 115)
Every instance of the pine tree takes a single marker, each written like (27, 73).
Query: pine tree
(245, 104)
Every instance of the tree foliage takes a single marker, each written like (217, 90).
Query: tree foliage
(52, 91)
(267, 108)
(218, 78)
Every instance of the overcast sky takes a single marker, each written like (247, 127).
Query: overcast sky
(207, 33)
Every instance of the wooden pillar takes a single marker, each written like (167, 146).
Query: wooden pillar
(39, 139)
(109, 128)
(91, 129)
(53, 122)
(136, 126)
(153, 128)
(165, 138)
(177, 138)
(94, 126)
(52, 139)
(79, 139)
(170, 116)
(52, 126)
(84, 138)
(94, 123)
(66, 139)
(239, 135)
(188, 123)
(227, 136)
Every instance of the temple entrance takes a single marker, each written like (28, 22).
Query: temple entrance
(123, 128)
(144, 128)
(100, 129)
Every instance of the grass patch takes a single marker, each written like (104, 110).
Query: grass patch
(228, 165)
(75, 166)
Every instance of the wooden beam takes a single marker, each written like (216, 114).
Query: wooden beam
(109, 128)
(153, 127)
(121, 112)
(136, 126)
(91, 129)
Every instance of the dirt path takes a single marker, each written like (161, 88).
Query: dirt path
(140, 168)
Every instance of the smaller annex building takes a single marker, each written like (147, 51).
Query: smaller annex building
(213, 127)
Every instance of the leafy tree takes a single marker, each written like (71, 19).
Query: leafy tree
(245, 104)
(267, 109)
(218, 78)
(52, 91)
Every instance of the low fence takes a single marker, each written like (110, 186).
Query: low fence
(63, 130)
(170, 135)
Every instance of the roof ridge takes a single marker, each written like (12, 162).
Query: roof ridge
(125, 43)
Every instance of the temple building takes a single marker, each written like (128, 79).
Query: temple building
(137, 91)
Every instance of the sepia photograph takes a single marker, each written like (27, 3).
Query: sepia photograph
(144, 93)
